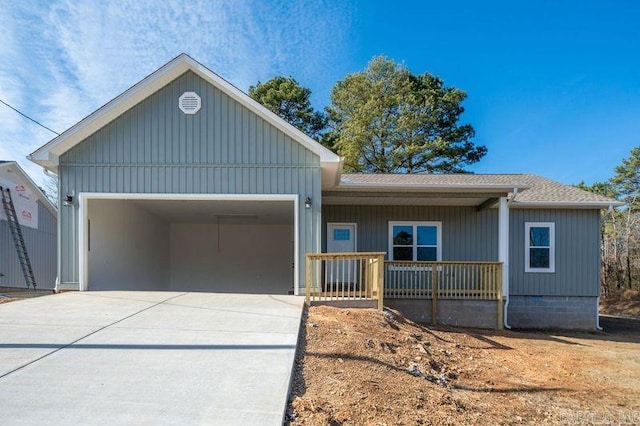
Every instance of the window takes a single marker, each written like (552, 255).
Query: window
(341, 234)
(539, 240)
(415, 241)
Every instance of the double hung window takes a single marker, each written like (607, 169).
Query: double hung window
(539, 240)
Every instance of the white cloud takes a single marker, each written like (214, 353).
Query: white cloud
(66, 58)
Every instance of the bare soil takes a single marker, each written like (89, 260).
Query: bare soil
(620, 307)
(13, 294)
(364, 367)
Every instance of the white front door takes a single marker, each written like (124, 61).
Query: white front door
(341, 275)
(341, 237)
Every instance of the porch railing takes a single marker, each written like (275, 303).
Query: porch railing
(345, 276)
(453, 280)
(445, 280)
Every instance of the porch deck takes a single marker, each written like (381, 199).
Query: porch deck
(366, 279)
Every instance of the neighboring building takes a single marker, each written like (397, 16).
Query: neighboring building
(37, 218)
(183, 182)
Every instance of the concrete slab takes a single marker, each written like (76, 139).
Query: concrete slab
(148, 358)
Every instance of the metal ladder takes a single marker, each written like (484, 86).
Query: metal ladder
(18, 239)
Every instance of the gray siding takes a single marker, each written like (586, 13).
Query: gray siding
(41, 246)
(155, 148)
(577, 261)
(466, 233)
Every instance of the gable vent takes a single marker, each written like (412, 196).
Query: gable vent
(189, 102)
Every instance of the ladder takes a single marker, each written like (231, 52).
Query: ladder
(18, 239)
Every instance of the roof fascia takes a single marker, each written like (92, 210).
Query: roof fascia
(428, 187)
(566, 204)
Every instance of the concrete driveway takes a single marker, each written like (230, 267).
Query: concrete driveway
(147, 358)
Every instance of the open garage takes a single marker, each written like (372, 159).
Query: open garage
(216, 245)
(185, 183)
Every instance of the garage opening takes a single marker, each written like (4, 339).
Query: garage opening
(234, 246)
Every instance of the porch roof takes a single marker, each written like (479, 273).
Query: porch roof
(481, 190)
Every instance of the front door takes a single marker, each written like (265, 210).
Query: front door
(341, 275)
(341, 237)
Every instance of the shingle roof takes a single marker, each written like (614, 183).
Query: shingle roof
(541, 190)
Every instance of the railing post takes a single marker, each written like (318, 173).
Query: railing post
(371, 279)
(307, 285)
(434, 294)
(380, 282)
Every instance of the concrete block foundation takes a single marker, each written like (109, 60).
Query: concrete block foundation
(463, 313)
(566, 312)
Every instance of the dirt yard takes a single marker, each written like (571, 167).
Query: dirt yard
(363, 367)
(13, 294)
(624, 308)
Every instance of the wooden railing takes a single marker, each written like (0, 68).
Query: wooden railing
(453, 280)
(345, 276)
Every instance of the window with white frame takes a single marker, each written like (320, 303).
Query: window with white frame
(415, 241)
(540, 241)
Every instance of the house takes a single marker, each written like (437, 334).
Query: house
(37, 218)
(185, 183)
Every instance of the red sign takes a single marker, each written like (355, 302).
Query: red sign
(20, 188)
(26, 215)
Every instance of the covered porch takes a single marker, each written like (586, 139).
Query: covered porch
(436, 248)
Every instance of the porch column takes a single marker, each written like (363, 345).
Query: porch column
(503, 243)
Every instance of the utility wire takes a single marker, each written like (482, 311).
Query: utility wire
(29, 118)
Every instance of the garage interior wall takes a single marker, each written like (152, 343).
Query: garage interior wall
(132, 248)
(128, 247)
(237, 258)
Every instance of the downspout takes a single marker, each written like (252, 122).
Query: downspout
(515, 192)
(598, 327)
(505, 315)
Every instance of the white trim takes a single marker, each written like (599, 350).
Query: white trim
(503, 252)
(355, 232)
(565, 204)
(84, 197)
(437, 224)
(48, 155)
(345, 185)
(503, 242)
(296, 244)
(552, 246)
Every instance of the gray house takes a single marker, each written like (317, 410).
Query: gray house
(37, 220)
(185, 183)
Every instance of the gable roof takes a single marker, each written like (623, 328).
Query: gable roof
(532, 190)
(48, 155)
(25, 179)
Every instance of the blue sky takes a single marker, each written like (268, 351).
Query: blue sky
(553, 86)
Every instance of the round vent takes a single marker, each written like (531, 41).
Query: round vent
(189, 102)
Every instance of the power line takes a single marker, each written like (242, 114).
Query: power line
(29, 118)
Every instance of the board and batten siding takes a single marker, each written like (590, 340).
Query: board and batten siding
(223, 149)
(467, 235)
(41, 246)
(577, 254)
